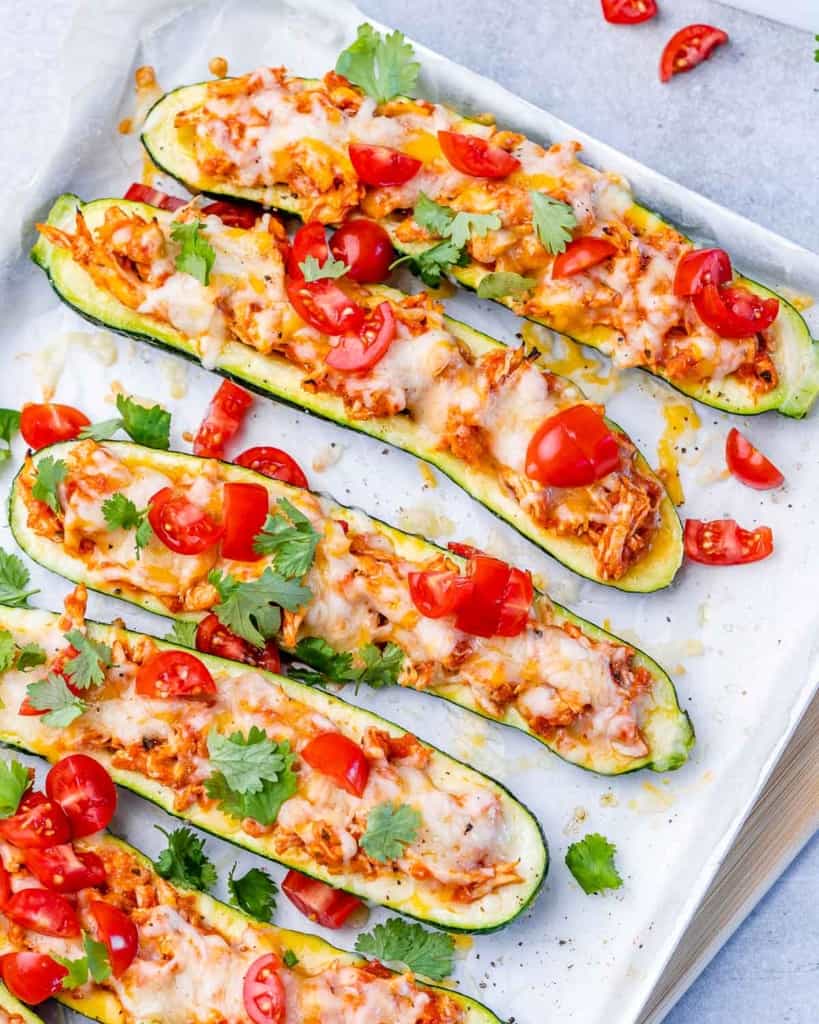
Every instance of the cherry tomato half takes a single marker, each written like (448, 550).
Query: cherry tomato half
(701, 267)
(436, 593)
(478, 613)
(470, 154)
(688, 48)
(309, 240)
(223, 419)
(145, 194)
(171, 674)
(358, 352)
(85, 791)
(573, 448)
(246, 506)
(32, 977)
(582, 254)
(515, 603)
(38, 824)
(263, 991)
(46, 423)
(748, 464)
(234, 215)
(725, 542)
(366, 249)
(629, 12)
(340, 758)
(381, 166)
(118, 932)
(734, 312)
(182, 526)
(324, 305)
(214, 638)
(273, 462)
(43, 911)
(320, 902)
(64, 869)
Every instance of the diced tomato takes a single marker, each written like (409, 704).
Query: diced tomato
(232, 214)
(182, 526)
(366, 249)
(436, 593)
(515, 604)
(725, 542)
(358, 352)
(749, 465)
(381, 166)
(145, 194)
(320, 902)
(38, 824)
(5, 885)
(309, 240)
(324, 305)
(214, 638)
(43, 911)
(464, 550)
(32, 977)
(172, 674)
(224, 417)
(479, 613)
(734, 312)
(273, 462)
(688, 48)
(47, 423)
(64, 869)
(85, 791)
(701, 267)
(573, 448)
(470, 154)
(340, 758)
(582, 254)
(263, 991)
(246, 506)
(118, 932)
(629, 12)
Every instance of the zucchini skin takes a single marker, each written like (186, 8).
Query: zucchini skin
(668, 753)
(273, 376)
(15, 1008)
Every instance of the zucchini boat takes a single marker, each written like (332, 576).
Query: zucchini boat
(188, 733)
(588, 696)
(193, 953)
(283, 141)
(12, 1011)
(454, 397)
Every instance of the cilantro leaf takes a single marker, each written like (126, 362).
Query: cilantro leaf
(464, 225)
(52, 695)
(49, 473)
(30, 656)
(184, 634)
(247, 762)
(121, 513)
(262, 806)
(324, 659)
(6, 650)
(196, 255)
(148, 426)
(14, 781)
(87, 668)
(255, 893)
(77, 971)
(502, 283)
(553, 221)
(99, 964)
(290, 959)
(390, 827)
(411, 947)
(383, 67)
(315, 271)
(184, 861)
(432, 264)
(14, 581)
(379, 667)
(102, 431)
(9, 425)
(251, 609)
(289, 536)
(591, 861)
(433, 217)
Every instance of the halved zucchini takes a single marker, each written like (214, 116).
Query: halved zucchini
(273, 375)
(665, 727)
(12, 1011)
(796, 355)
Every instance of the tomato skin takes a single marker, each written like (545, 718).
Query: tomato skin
(701, 267)
(478, 615)
(38, 824)
(582, 254)
(734, 312)
(234, 214)
(629, 12)
(340, 758)
(43, 911)
(381, 166)
(515, 604)
(473, 155)
(46, 423)
(356, 353)
(318, 901)
(688, 48)
(214, 638)
(273, 462)
(573, 448)
(436, 593)
(749, 465)
(32, 977)
(263, 991)
(180, 525)
(309, 240)
(366, 249)
(222, 421)
(725, 542)
(139, 193)
(174, 674)
(245, 510)
(85, 791)
(64, 869)
(118, 932)
(324, 305)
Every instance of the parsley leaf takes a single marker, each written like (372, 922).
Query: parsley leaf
(383, 67)
(30, 656)
(255, 893)
(6, 650)
(379, 667)
(52, 695)
(315, 271)
(455, 229)
(77, 971)
(102, 431)
(96, 962)
(148, 426)
(390, 827)
(262, 770)
(87, 668)
(553, 221)
(9, 425)
(252, 609)
(196, 255)
(410, 946)
(184, 861)
(184, 634)
(14, 781)
(49, 473)
(121, 513)
(591, 861)
(502, 283)
(289, 958)
(14, 581)
(289, 536)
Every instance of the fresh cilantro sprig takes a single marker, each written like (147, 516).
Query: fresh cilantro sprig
(9, 425)
(384, 67)
(390, 828)
(409, 946)
(501, 284)
(14, 581)
(290, 959)
(14, 781)
(315, 271)
(21, 658)
(121, 513)
(252, 609)
(553, 221)
(184, 861)
(53, 696)
(370, 665)
(591, 861)
(147, 425)
(254, 893)
(288, 536)
(254, 775)
(48, 474)
(432, 264)
(95, 963)
(87, 667)
(196, 255)
(183, 633)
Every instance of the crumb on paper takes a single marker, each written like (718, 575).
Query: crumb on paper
(574, 826)
(327, 456)
(654, 800)
(218, 67)
(100, 344)
(126, 126)
(115, 389)
(427, 474)
(703, 613)
(187, 436)
(609, 799)
(426, 520)
(175, 373)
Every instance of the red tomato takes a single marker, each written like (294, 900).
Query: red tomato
(64, 869)
(145, 194)
(581, 254)
(734, 312)
(85, 791)
(338, 757)
(573, 448)
(263, 991)
(273, 462)
(5, 885)
(688, 48)
(515, 604)
(320, 902)
(437, 592)
(701, 267)
(749, 465)
(724, 542)
(234, 215)
(324, 305)
(118, 932)
(246, 506)
(381, 166)
(309, 240)
(47, 423)
(479, 613)
(181, 526)
(628, 12)
(32, 977)
(38, 824)
(171, 674)
(464, 550)
(223, 418)
(366, 249)
(214, 638)
(43, 911)
(356, 353)
(473, 155)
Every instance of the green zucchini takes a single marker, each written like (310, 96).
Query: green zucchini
(12, 1011)
(664, 725)
(796, 355)
(274, 376)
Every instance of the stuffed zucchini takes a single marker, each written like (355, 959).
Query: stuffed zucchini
(411, 377)
(12, 1011)
(256, 560)
(548, 236)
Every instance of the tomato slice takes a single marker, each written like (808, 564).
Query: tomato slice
(701, 267)
(182, 526)
(246, 507)
(46, 423)
(214, 638)
(145, 194)
(273, 462)
(479, 613)
(48, 913)
(320, 902)
(234, 215)
(515, 604)
(734, 312)
(749, 465)
(464, 550)
(381, 166)
(573, 448)
(85, 791)
(324, 305)
(436, 593)
(263, 991)
(366, 249)
(172, 674)
(223, 419)
(340, 758)
(470, 154)
(356, 353)
(309, 240)
(118, 932)
(725, 542)
(629, 12)
(64, 869)
(38, 824)
(32, 977)
(581, 254)
(688, 48)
